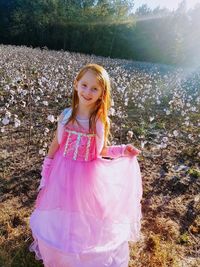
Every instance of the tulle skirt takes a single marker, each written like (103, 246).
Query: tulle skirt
(87, 212)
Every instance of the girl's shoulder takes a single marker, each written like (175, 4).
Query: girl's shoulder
(100, 125)
(64, 116)
(99, 121)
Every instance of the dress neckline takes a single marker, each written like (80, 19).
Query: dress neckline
(81, 119)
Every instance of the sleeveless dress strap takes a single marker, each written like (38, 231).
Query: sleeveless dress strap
(65, 115)
(63, 118)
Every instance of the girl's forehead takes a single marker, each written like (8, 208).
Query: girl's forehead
(92, 77)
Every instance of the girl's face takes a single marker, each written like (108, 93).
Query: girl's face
(88, 89)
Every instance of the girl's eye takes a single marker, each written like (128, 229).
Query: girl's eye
(84, 85)
(95, 89)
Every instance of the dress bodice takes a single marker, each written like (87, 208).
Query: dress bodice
(78, 145)
(75, 139)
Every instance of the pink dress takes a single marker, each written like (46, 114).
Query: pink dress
(89, 207)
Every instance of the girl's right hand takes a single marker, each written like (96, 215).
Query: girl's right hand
(131, 151)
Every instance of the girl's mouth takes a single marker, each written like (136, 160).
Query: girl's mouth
(88, 99)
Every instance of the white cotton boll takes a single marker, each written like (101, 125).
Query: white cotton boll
(8, 114)
(3, 129)
(5, 121)
(190, 136)
(17, 122)
(141, 136)
(41, 151)
(45, 103)
(112, 111)
(198, 154)
(19, 90)
(45, 144)
(130, 134)
(142, 143)
(193, 109)
(23, 104)
(41, 91)
(113, 142)
(151, 119)
(126, 102)
(165, 139)
(46, 130)
(12, 92)
(5, 154)
(12, 100)
(7, 87)
(188, 105)
(149, 86)
(175, 133)
(163, 145)
(140, 106)
(25, 92)
(158, 102)
(112, 103)
(51, 118)
(167, 112)
(43, 79)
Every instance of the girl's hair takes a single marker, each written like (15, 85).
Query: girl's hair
(102, 105)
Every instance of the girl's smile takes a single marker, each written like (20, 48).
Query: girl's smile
(88, 99)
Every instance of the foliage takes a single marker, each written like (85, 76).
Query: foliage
(108, 28)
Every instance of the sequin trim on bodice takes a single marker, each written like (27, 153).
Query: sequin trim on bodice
(79, 146)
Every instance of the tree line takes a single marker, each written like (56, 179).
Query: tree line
(103, 27)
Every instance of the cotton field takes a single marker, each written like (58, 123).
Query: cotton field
(156, 107)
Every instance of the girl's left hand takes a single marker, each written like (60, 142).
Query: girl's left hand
(130, 150)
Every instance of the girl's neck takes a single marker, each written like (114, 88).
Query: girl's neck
(83, 113)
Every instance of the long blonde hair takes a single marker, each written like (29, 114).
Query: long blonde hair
(102, 105)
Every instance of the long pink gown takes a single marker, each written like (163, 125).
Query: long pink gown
(89, 207)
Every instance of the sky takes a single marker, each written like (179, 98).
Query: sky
(170, 4)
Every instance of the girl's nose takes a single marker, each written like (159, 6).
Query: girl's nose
(88, 91)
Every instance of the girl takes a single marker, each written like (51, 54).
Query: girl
(88, 207)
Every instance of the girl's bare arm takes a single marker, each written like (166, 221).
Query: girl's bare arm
(53, 146)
